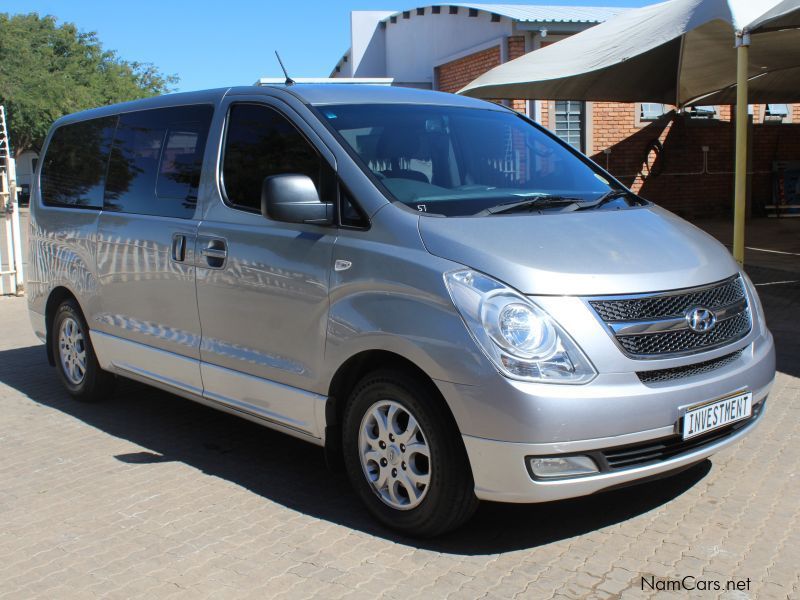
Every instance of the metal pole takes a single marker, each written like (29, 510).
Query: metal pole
(9, 233)
(15, 228)
(740, 177)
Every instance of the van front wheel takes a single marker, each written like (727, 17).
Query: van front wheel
(74, 355)
(404, 456)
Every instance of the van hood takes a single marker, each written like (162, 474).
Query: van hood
(596, 252)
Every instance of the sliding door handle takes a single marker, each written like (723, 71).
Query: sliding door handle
(215, 251)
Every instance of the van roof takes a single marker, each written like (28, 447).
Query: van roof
(333, 93)
(314, 94)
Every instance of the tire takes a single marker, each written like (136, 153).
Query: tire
(74, 356)
(407, 501)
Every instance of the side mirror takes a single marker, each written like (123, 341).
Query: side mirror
(294, 199)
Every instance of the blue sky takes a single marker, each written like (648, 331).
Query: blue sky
(230, 42)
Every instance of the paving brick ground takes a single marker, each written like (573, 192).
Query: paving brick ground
(151, 496)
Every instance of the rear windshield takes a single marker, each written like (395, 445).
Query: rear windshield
(458, 161)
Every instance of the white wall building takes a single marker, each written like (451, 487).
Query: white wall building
(408, 45)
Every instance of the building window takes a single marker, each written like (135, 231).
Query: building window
(570, 122)
(777, 113)
(650, 111)
(702, 112)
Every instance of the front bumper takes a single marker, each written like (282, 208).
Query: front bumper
(613, 411)
(501, 475)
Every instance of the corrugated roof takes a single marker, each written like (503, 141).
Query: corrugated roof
(529, 13)
(541, 13)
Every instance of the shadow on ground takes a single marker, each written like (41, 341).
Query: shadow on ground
(779, 291)
(293, 473)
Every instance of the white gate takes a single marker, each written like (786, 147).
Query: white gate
(11, 276)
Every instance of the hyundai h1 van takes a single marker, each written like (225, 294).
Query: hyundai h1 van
(455, 304)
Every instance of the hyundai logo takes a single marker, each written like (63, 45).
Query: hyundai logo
(700, 319)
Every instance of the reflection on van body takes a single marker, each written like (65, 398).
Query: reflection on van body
(440, 293)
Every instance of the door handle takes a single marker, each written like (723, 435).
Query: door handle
(178, 247)
(215, 252)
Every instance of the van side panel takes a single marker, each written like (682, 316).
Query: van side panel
(147, 296)
(61, 247)
(262, 285)
(393, 298)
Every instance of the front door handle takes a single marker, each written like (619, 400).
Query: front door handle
(215, 251)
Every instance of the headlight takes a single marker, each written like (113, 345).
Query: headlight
(520, 338)
(757, 309)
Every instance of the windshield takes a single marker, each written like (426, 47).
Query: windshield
(457, 161)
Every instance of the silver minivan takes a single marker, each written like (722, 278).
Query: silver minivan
(455, 304)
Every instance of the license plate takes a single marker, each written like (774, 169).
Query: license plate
(713, 415)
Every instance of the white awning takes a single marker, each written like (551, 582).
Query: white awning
(673, 52)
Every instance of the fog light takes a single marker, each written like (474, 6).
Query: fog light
(561, 466)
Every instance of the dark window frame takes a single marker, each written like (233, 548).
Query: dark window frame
(342, 191)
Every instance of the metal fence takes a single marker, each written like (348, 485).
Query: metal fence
(11, 275)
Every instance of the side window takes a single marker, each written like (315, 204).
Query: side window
(261, 142)
(350, 214)
(156, 160)
(74, 166)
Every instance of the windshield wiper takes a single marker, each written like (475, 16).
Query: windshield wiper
(604, 199)
(542, 201)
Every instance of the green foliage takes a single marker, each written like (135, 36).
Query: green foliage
(47, 71)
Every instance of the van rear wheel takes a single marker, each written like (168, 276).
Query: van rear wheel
(404, 456)
(74, 356)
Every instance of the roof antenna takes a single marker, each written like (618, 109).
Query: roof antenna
(289, 80)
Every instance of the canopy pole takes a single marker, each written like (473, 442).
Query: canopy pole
(740, 177)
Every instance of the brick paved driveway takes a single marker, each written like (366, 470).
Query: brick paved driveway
(153, 496)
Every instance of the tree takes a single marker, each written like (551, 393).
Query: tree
(47, 71)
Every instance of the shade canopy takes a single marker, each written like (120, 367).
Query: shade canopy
(781, 86)
(673, 52)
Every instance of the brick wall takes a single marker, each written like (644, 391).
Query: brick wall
(516, 48)
(673, 175)
(456, 74)
(662, 160)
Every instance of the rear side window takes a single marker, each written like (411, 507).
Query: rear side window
(261, 142)
(156, 159)
(74, 167)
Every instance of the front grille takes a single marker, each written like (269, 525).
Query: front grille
(649, 326)
(661, 375)
(673, 304)
(652, 452)
(677, 342)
